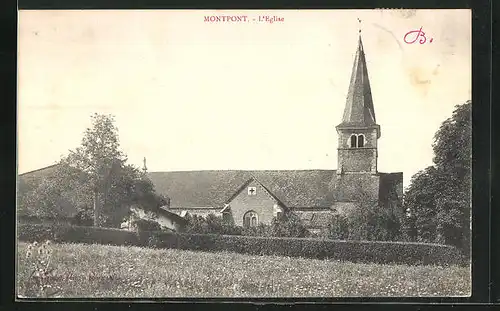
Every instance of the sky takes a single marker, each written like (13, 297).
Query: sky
(194, 95)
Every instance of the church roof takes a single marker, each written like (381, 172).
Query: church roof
(27, 182)
(359, 111)
(294, 188)
(211, 189)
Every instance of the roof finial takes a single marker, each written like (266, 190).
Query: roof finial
(144, 167)
(359, 26)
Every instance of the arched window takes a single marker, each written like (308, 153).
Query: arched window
(357, 141)
(250, 219)
(361, 140)
(354, 140)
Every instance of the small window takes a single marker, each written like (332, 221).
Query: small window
(354, 140)
(252, 190)
(361, 140)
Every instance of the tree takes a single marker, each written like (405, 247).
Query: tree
(195, 224)
(438, 200)
(146, 225)
(95, 179)
(338, 228)
(289, 225)
(360, 219)
(453, 156)
(60, 192)
(420, 198)
(98, 157)
(129, 186)
(367, 219)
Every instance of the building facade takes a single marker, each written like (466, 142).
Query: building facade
(167, 220)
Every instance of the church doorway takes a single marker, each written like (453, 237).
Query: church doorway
(250, 219)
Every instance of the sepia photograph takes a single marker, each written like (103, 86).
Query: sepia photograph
(244, 154)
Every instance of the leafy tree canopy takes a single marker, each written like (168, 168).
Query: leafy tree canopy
(438, 200)
(95, 179)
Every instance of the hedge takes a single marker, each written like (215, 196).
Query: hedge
(76, 234)
(353, 251)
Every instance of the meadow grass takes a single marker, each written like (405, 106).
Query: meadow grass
(119, 271)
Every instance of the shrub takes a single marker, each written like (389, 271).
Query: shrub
(260, 230)
(196, 224)
(212, 224)
(289, 225)
(354, 251)
(146, 225)
(83, 218)
(36, 232)
(75, 234)
(37, 284)
(338, 228)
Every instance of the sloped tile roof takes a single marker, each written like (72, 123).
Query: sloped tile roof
(211, 189)
(39, 173)
(29, 181)
(294, 188)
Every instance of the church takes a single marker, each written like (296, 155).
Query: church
(248, 198)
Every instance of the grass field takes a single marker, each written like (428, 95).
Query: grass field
(112, 271)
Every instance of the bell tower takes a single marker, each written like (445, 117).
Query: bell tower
(358, 132)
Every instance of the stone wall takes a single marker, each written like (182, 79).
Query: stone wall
(362, 159)
(262, 203)
(350, 187)
(358, 159)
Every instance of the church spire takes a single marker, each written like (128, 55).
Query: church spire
(359, 111)
(358, 132)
